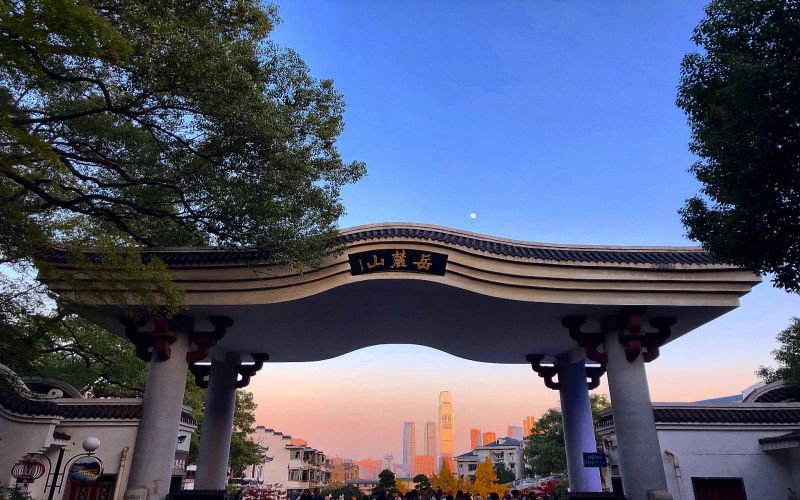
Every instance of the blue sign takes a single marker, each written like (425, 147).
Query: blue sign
(595, 460)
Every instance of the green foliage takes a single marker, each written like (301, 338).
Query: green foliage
(787, 357)
(80, 353)
(8, 493)
(545, 453)
(422, 481)
(504, 474)
(146, 123)
(244, 452)
(347, 490)
(386, 482)
(740, 92)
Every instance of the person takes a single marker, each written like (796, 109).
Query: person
(467, 496)
(515, 494)
(478, 496)
(494, 496)
(306, 495)
(317, 495)
(459, 495)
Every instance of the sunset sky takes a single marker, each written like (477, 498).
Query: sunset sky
(551, 121)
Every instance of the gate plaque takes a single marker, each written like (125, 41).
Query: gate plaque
(403, 260)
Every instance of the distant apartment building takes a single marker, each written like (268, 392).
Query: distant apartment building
(430, 438)
(295, 466)
(369, 468)
(343, 470)
(506, 451)
(409, 446)
(528, 425)
(489, 437)
(447, 443)
(516, 432)
(475, 438)
(424, 464)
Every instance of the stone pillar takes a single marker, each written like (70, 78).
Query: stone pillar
(576, 412)
(640, 459)
(215, 439)
(157, 437)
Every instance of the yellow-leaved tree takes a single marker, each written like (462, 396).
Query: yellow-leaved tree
(486, 480)
(445, 480)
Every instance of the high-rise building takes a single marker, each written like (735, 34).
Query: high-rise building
(489, 437)
(369, 468)
(388, 463)
(424, 464)
(515, 431)
(447, 442)
(475, 438)
(409, 446)
(430, 438)
(528, 425)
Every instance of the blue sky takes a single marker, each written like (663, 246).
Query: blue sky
(552, 121)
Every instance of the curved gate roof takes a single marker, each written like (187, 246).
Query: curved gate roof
(493, 299)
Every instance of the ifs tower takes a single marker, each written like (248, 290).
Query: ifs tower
(447, 445)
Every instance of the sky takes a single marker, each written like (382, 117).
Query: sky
(550, 121)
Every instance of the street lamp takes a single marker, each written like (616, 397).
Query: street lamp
(83, 468)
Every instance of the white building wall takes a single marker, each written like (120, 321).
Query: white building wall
(724, 453)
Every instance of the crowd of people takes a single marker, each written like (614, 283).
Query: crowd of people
(438, 494)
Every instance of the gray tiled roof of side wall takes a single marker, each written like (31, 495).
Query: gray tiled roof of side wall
(533, 251)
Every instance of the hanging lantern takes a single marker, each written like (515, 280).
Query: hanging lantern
(27, 470)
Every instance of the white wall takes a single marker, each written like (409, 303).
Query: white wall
(726, 453)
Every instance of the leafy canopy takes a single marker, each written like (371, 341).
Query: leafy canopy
(132, 124)
(740, 92)
(545, 452)
(787, 357)
(486, 480)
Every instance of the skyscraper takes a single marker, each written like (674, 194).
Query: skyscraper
(489, 437)
(528, 425)
(475, 438)
(430, 438)
(447, 443)
(409, 446)
(515, 431)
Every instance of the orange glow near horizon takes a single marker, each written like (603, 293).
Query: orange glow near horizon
(354, 406)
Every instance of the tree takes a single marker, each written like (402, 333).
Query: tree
(504, 474)
(130, 125)
(445, 480)
(545, 452)
(386, 483)
(348, 491)
(740, 92)
(243, 452)
(422, 481)
(787, 357)
(486, 480)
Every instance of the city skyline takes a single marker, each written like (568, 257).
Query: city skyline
(523, 126)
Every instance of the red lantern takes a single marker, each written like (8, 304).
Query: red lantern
(27, 470)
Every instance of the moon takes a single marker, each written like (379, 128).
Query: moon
(473, 215)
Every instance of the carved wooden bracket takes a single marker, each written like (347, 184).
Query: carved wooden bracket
(546, 372)
(639, 342)
(163, 334)
(206, 340)
(593, 373)
(248, 371)
(201, 373)
(588, 341)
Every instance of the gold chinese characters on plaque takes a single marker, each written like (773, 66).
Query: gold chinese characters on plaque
(398, 260)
